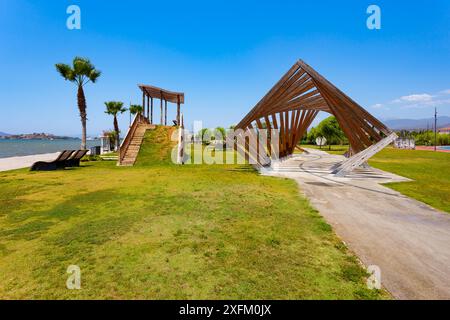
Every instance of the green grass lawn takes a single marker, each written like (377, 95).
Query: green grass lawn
(429, 170)
(330, 149)
(161, 231)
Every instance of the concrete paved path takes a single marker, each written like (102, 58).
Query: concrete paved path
(407, 239)
(25, 161)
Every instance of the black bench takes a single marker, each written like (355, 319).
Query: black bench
(58, 163)
(74, 160)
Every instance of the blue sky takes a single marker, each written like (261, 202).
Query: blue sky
(224, 55)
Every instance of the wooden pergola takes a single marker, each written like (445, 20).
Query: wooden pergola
(150, 92)
(292, 104)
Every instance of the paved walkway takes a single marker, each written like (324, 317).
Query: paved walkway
(25, 161)
(407, 239)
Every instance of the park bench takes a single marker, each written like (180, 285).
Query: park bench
(58, 163)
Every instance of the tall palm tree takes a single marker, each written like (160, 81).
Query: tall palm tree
(134, 109)
(81, 72)
(113, 108)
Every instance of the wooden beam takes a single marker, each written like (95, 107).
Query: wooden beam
(279, 84)
(338, 92)
(155, 92)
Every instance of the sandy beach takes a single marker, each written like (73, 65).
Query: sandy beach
(13, 163)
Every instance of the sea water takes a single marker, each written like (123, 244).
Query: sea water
(13, 148)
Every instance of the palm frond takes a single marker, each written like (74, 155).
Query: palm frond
(81, 72)
(82, 66)
(135, 108)
(94, 75)
(65, 71)
(114, 107)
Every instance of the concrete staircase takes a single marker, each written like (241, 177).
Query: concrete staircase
(134, 146)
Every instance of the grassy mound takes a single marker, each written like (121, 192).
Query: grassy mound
(157, 147)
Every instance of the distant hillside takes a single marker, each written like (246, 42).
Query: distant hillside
(4, 134)
(417, 124)
(35, 136)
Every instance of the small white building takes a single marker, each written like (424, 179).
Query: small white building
(405, 143)
(105, 145)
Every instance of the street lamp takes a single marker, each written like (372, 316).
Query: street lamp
(435, 129)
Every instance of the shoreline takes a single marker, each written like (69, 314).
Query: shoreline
(21, 148)
(20, 162)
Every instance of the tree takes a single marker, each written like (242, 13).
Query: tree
(220, 133)
(311, 136)
(81, 72)
(134, 109)
(330, 129)
(113, 108)
(204, 136)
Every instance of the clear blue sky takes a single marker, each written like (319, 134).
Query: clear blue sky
(224, 55)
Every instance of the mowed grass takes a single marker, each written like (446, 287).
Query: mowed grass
(161, 231)
(334, 149)
(429, 170)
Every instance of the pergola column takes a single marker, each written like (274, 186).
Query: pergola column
(151, 110)
(148, 105)
(165, 113)
(178, 111)
(161, 100)
(143, 102)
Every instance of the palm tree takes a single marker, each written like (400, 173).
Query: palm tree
(220, 134)
(204, 136)
(134, 109)
(113, 108)
(81, 72)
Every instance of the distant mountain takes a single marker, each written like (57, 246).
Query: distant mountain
(417, 124)
(3, 134)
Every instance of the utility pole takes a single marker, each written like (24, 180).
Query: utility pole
(435, 129)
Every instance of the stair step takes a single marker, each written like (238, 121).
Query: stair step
(135, 144)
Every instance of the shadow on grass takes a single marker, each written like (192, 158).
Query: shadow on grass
(73, 207)
(243, 168)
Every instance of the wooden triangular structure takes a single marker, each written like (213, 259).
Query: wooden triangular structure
(292, 104)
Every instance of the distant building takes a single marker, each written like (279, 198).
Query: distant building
(445, 130)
